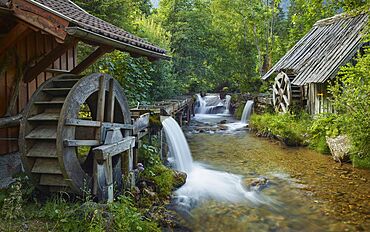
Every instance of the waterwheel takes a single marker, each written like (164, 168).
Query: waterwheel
(284, 93)
(75, 135)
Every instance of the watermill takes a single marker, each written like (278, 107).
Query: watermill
(75, 135)
(284, 93)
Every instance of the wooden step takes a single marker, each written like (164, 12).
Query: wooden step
(65, 83)
(46, 166)
(51, 103)
(45, 117)
(43, 150)
(53, 180)
(57, 91)
(43, 132)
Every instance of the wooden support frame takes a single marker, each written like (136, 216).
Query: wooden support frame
(10, 121)
(92, 58)
(40, 18)
(47, 60)
(17, 33)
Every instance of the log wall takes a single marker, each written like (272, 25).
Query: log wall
(27, 51)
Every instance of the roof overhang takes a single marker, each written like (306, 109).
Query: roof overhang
(87, 35)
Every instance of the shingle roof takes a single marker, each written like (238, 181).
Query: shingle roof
(318, 56)
(80, 18)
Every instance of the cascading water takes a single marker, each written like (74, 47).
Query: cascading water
(202, 183)
(178, 146)
(247, 112)
(227, 104)
(212, 104)
(202, 105)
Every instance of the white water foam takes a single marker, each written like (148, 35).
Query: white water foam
(203, 183)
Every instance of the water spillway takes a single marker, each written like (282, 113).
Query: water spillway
(247, 112)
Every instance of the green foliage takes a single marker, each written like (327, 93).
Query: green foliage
(128, 218)
(12, 207)
(351, 93)
(149, 156)
(163, 178)
(325, 125)
(291, 129)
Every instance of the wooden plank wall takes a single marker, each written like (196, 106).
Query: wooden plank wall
(28, 49)
(318, 99)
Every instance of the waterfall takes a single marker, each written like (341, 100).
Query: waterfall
(212, 104)
(247, 112)
(178, 146)
(202, 107)
(202, 183)
(227, 104)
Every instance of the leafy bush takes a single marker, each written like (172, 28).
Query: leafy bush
(351, 93)
(324, 125)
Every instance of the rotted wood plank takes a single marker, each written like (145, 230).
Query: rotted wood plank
(46, 166)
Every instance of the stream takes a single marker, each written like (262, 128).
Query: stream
(286, 189)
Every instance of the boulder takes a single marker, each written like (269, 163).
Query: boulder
(179, 179)
(339, 148)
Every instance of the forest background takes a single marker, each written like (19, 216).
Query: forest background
(214, 44)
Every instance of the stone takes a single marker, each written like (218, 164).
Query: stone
(339, 148)
(257, 184)
(223, 122)
(9, 166)
(179, 178)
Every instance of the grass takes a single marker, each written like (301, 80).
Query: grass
(303, 130)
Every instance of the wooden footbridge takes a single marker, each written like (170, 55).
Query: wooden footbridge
(75, 133)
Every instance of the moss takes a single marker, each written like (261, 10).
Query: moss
(162, 177)
(239, 111)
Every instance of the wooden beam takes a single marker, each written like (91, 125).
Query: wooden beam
(47, 60)
(92, 58)
(10, 121)
(18, 32)
(40, 18)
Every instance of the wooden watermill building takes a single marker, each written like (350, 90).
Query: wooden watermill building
(304, 72)
(38, 41)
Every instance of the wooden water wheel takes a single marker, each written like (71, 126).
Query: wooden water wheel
(285, 94)
(75, 135)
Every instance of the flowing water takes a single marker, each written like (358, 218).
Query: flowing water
(242, 183)
(212, 104)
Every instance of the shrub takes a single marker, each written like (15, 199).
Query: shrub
(351, 93)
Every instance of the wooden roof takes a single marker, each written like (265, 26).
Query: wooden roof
(317, 57)
(74, 21)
